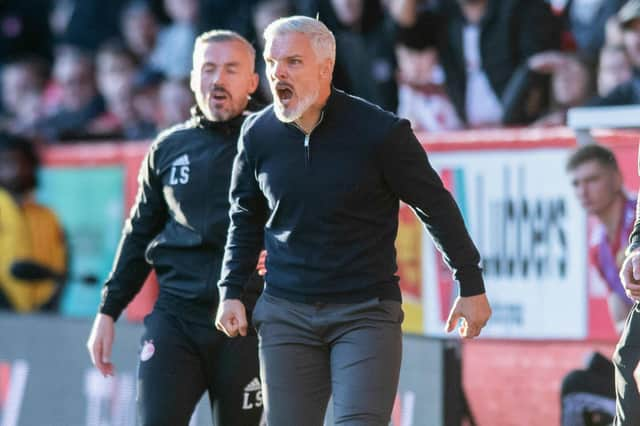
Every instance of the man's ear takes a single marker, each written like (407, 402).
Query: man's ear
(253, 84)
(326, 68)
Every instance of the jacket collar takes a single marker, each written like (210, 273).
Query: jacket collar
(331, 100)
(331, 104)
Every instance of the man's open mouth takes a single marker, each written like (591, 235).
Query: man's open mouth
(284, 92)
(219, 95)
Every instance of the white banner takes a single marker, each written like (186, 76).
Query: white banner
(530, 229)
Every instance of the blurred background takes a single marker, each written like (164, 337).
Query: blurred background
(500, 92)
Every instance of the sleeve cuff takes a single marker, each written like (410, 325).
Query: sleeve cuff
(229, 292)
(471, 284)
(108, 306)
(112, 311)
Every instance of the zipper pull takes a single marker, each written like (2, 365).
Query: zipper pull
(307, 156)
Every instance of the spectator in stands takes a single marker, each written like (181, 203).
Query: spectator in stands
(365, 58)
(422, 96)
(176, 100)
(139, 27)
(482, 43)
(23, 82)
(627, 93)
(32, 249)
(172, 52)
(146, 91)
(77, 98)
(629, 18)
(572, 83)
(121, 121)
(596, 178)
(587, 20)
(116, 68)
(264, 13)
(614, 69)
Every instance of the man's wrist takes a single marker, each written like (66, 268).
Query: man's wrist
(471, 283)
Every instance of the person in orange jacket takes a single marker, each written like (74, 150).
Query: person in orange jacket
(33, 255)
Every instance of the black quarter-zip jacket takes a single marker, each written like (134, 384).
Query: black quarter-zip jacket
(329, 213)
(179, 221)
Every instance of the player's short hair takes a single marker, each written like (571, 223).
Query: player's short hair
(219, 36)
(322, 40)
(592, 152)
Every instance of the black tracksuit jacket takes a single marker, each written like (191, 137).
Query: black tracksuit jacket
(327, 206)
(178, 224)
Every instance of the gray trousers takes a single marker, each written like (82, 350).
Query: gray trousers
(310, 351)
(625, 359)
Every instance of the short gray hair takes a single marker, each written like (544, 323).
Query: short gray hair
(219, 36)
(322, 40)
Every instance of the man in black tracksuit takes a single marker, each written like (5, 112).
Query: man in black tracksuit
(178, 226)
(318, 178)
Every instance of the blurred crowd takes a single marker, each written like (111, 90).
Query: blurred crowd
(86, 70)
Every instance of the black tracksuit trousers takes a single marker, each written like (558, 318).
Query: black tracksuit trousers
(180, 360)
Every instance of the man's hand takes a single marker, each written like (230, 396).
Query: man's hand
(547, 62)
(100, 343)
(630, 275)
(231, 318)
(474, 312)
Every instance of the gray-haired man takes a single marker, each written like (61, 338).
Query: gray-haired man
(318, 177)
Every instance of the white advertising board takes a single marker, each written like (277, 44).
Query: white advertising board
(522, 213)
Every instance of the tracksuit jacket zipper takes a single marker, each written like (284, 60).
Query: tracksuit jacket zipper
(307, 137)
